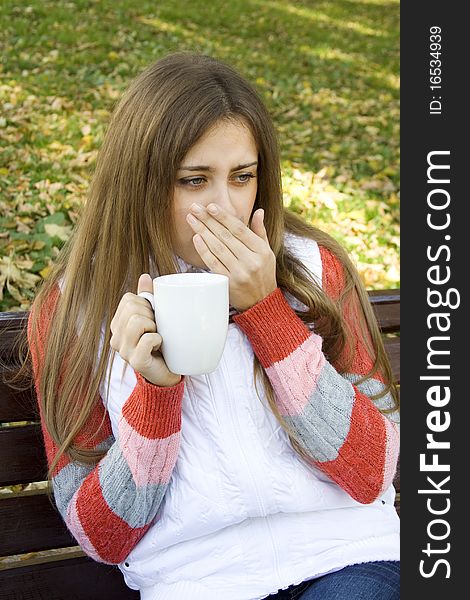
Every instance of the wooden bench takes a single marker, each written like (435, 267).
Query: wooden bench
(30, 525)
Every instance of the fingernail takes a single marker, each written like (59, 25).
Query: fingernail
(212, 208)
(196, 208)
(191, 220)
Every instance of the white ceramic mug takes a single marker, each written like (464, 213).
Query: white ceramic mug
(191, 313)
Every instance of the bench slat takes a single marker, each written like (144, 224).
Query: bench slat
(23, 458)
(72, 579)
(384, 296)
(11, 323)
(386, 305)
(16, 405)
(388, 316)
(31, 524)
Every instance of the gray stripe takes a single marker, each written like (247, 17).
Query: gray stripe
(135, 505)
(70, 477)
(325, 422)
(371, 387)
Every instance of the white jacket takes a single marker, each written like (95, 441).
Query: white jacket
(244, 515)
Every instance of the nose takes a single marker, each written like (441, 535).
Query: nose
(222, 197)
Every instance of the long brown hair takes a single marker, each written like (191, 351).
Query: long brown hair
(126, 226)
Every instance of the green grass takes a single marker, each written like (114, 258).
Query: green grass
(328, 72)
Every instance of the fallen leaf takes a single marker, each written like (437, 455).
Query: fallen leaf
(61, 231)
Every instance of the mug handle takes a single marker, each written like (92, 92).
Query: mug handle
(148, 296)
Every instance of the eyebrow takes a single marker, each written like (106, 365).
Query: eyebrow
(211, 170)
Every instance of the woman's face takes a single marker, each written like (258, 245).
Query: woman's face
(220, 168)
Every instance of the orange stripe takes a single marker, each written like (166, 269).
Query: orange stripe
(361, 475)
(110, 535)
(273, 328)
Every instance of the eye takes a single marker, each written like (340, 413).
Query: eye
(198, 182)
(245, 177)
(192, 182)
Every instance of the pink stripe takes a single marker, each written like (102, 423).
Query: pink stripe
(391, 452)
(75, 526)
(150, 461)
(295, 377)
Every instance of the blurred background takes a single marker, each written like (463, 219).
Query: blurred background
(327, 70)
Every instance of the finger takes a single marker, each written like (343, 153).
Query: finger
(203, 222)
(145, 289)
(128, 330)
(142, 355)
(128, 296)
(137, 326)
(218, 247)
(257, 224)
(130, 305)
(237, 228)
(145, 283)
(211, 261)
(137, 307)
(149, 342)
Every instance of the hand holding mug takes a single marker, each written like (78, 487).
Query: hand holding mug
(135, 336)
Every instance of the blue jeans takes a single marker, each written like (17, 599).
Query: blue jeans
(366, 581)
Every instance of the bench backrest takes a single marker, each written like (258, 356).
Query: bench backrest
(29, 523)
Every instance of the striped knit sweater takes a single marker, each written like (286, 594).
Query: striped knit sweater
(359, 450)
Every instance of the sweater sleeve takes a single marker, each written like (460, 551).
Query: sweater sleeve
(110, 506)
(334, 420)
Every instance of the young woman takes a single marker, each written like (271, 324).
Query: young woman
(271, 475)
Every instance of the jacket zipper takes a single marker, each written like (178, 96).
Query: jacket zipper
(273, 542)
